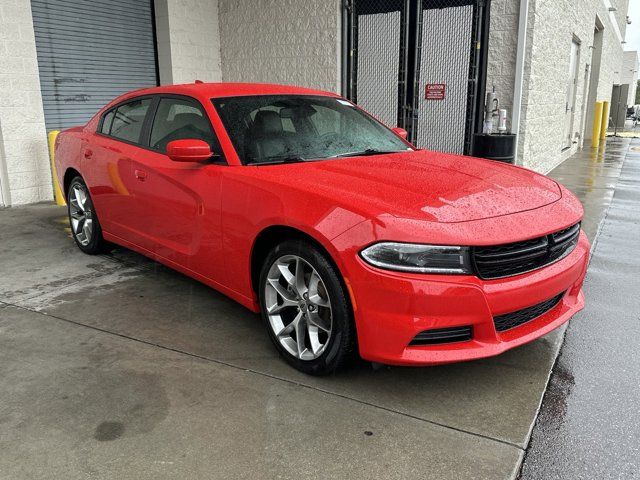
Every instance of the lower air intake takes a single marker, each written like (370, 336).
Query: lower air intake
(517, 318)
(442, 335)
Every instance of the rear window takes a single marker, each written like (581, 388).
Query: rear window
(128, 120)
(107, 120)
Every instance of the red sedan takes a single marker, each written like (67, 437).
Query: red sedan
(299, 205)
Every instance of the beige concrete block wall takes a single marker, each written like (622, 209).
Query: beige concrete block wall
(188, 40)
(551, 28)
(503, 40)
(24, 160)
(281, 41)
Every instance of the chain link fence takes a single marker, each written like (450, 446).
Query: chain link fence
(416, 64)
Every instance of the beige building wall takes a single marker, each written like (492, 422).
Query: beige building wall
(503, 41)
(188, 41)
(281, 41)
(24, 162)
(552, 25)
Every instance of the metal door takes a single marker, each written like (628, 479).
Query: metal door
(572, 84)
(618, 110)
(418, 64)
(89, 52)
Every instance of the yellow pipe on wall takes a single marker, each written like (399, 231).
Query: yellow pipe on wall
(597, 124)
(605, 120)
(57, 191)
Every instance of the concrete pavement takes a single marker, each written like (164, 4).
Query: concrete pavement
(114, 366)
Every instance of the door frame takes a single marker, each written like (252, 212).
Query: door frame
(594, 76)
(571, 102)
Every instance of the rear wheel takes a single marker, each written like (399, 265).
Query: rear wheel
(305, 308)
(85, 226)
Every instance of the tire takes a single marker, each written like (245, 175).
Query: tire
(85, 226)
(317, 307)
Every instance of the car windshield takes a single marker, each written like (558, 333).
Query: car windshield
(268, 129)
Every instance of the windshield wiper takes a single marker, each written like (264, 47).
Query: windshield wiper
(278, 159)
(368, 151)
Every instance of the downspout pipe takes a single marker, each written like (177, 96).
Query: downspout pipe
(5, 194)
(519, 77)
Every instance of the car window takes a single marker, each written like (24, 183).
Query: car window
(107, 120)
(128, 120)
(278, 128)
(178, 119)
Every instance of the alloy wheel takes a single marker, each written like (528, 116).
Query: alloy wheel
(80, 214)
(298, 307)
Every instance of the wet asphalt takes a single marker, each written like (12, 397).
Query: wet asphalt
(589, 424)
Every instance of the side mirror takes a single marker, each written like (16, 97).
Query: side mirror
(401, 132)
(189, 150)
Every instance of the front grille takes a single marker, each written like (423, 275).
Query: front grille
(517, 318)
(442, 335)
(520, 257)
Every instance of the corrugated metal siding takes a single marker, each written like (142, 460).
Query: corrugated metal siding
(91, 52)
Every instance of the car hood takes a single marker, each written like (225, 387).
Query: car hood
(425, 185)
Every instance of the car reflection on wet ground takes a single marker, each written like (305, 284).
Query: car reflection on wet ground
(116, 367)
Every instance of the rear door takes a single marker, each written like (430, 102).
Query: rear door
(110, 152)
(177, 203)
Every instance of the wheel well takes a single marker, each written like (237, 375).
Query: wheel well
(69, 175)
(272, 236)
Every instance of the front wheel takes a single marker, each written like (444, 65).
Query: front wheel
(305, 308)
(85, 226)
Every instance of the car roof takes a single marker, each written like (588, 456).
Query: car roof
(222, 89)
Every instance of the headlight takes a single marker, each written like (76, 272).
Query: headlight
(408, 257)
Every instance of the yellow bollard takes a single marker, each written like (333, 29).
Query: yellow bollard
(57, 191)
(605, 120)
(597, 124)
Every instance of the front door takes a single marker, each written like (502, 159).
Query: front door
(570, 106)
(178, 202)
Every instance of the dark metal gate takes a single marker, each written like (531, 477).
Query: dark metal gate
(420, 65)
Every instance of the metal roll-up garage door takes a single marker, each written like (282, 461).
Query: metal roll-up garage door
(89, 52)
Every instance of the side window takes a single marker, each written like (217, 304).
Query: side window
(178, 119)
(107, 120)
(128, 119)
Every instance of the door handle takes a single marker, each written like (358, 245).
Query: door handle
(140, 175)
(88, 153)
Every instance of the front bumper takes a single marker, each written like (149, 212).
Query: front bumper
(391, 308)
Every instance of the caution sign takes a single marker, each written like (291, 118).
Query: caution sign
(434, 91)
